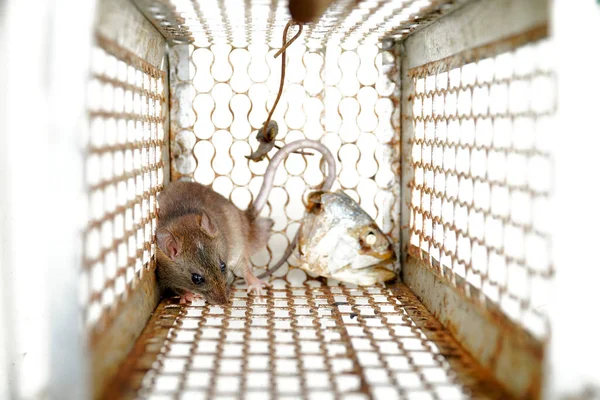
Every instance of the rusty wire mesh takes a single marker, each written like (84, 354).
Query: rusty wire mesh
(124, 173)
(482, 173)
(306, 341)
(347, 99)
(243, 22)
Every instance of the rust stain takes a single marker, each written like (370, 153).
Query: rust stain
(493, 361)
(534, 390)
(110, 347)
(491, 49)
(522, 347)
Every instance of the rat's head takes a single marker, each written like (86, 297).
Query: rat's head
(199, 254)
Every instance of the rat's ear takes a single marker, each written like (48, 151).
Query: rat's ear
(207, 225)
(167, 243)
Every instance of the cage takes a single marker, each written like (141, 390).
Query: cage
(446, 123)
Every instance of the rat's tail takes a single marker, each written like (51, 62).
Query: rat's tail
(288, 252)
(263, 195)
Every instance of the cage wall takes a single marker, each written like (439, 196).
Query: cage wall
(221, 96)
(126, 166)
(478, 112)
(480, 194)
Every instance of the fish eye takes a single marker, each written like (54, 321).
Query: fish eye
(223, 267)
(371, 238)
(197, 279)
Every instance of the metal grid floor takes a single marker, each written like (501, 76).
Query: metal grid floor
(310, 342)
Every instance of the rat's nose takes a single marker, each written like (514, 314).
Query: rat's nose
(225, 298)
(220, 298)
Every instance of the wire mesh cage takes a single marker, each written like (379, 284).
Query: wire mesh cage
(440, 115)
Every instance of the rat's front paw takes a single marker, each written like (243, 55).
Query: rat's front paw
(188, 297)
(254, 284)
(257, 286)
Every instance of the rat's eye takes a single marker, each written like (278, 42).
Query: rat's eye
(223, 267)
(197, 279)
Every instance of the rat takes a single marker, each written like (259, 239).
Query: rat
(204, 240)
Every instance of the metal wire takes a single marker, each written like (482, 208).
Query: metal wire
(124, 173)
(305, 341)
(480, 194)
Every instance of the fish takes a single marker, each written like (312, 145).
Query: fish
(339, 240)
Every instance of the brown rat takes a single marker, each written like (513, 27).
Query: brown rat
(204, 239)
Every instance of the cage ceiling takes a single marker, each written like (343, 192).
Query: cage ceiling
(243, 22)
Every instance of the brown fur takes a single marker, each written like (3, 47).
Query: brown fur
(226, 233)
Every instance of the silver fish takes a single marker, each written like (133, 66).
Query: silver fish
(339, 240)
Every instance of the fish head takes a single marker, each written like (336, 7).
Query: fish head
(372, 242)
(340, 240)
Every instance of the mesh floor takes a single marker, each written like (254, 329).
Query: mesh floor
(309, 341)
